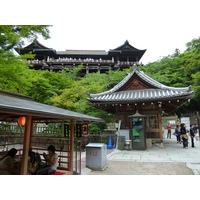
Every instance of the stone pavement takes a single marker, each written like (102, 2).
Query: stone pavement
(167, 159)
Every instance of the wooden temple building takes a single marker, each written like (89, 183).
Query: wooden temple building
(13, 106)
(100, 61)
(138, 102)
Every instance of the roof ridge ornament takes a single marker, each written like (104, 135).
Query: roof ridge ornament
(126, 42)
(137, 114)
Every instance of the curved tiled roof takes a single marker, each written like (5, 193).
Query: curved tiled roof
(36, 45)
(127, 47)
(159, 90)
(139, 95)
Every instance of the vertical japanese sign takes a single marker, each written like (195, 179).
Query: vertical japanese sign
(78, 130)
(66, 130)
(85, 129)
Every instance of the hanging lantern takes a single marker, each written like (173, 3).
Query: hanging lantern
(22, 121)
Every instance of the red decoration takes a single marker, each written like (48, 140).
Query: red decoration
(85, 129)
(22, 121)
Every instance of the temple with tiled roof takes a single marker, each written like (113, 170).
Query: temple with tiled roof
(100, 61)
(139, 96)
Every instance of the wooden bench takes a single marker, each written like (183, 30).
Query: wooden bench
(58, 173)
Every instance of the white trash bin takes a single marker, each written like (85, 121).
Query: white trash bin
(96, 156)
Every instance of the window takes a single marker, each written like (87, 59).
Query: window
(152, 122)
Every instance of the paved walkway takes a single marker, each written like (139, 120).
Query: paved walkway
(167, 159)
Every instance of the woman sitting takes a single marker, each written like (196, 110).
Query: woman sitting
(6, 163)
(32, 163)
(51, 159)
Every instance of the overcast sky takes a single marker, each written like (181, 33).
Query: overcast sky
(160, 26)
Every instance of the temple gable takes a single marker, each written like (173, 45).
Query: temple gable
(136, 83)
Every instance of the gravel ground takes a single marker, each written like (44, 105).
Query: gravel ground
(144, 168)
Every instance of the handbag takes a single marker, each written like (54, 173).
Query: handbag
(175, 134)
(185, 136)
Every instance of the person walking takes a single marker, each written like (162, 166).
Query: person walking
(192, 135)
(184, 136)
(195, 127)
(169, 130)
(178, 134)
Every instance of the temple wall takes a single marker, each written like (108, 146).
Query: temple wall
(153, 119)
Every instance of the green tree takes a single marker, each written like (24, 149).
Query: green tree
(14, 72)
(193, 46)
(12, 36)
(180, 70)
(47, 87)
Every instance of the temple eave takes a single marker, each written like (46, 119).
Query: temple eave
(109, 99)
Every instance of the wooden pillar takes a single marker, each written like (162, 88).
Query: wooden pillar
(99, 70)
(51, 68)
(87, 69)
(160, 123)
(26, 143)
(127, 60)
(31, 137)
(71, 145)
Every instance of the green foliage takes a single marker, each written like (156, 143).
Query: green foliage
(179, 70)
(54, 129)
(193, 46)
(196, 86)
(96, 128)
(72, 73)
(95, 82)
(12, 36)
(72, 98)
(45, 85)
(14, 72)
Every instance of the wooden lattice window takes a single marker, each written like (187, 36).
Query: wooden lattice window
(152, 122)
